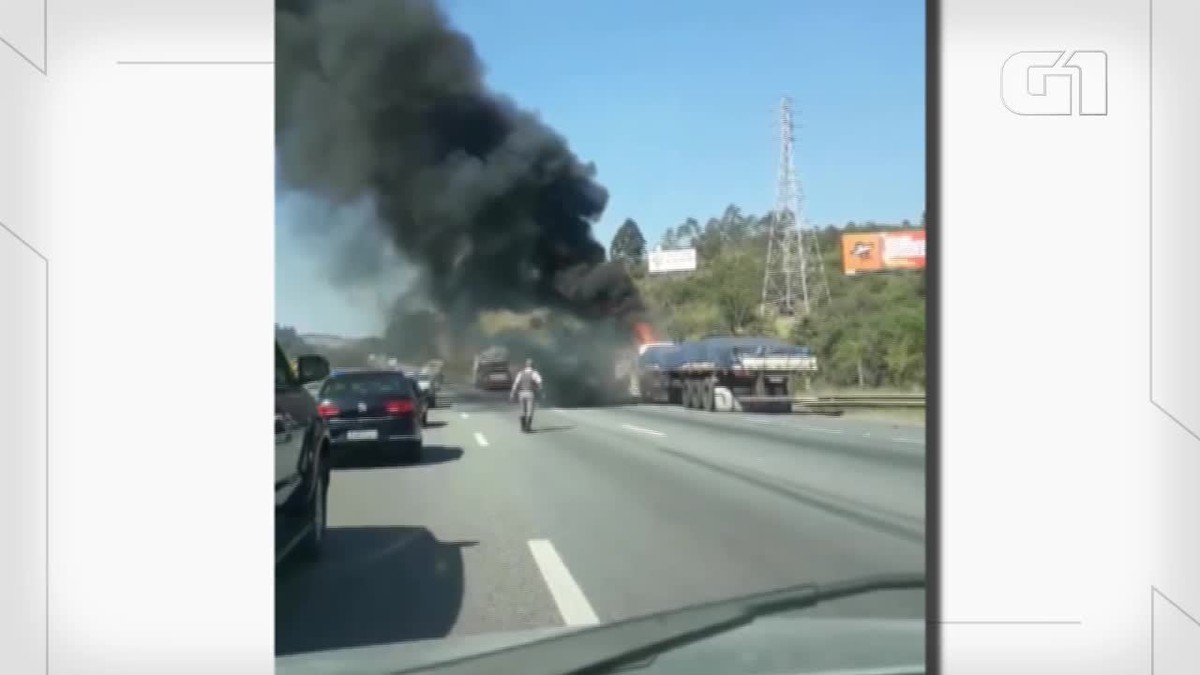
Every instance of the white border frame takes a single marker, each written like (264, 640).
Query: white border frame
(1077, 505)
(1065, 493)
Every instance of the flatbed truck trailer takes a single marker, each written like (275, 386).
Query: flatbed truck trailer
(723, 373)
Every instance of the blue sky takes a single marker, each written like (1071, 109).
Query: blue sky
(676, 102)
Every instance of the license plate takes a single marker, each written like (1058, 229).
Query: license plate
(775, 380)
(362, 435)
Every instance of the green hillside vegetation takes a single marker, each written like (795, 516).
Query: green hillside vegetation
(870, 334)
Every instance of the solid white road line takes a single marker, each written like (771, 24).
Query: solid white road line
(914, 441)
(480, 439)
(643, 431)
(572, 604)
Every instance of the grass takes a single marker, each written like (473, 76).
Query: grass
(907, 416)
(821, 390)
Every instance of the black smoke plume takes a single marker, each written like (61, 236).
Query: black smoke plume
(383, 99)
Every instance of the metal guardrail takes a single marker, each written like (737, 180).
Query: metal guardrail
(859, 400)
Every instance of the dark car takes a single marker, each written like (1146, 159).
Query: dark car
(424, 403)
(373, 410)
(302, 467)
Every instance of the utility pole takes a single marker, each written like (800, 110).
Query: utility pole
(794, 279)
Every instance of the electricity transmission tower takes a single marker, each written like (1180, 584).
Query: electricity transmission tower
(794, 280)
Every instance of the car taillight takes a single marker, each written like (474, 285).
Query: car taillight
(327, 410)
(401, 407)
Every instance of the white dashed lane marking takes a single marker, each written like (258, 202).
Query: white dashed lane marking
(572, 604)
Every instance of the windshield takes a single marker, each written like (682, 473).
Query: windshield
(731, 356)
(365, 384)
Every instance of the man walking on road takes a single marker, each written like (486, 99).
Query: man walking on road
(527, 385)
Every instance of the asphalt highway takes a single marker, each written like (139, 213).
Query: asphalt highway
(603, 514)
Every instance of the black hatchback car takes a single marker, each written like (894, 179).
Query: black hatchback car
(373, 410)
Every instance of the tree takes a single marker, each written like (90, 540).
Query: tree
(687, 232)
(628, 244)
(669, 240)
(733, 282)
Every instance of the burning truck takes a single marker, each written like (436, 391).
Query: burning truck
(619, 359)
(583, 362)
(492, 369)
(720, 373)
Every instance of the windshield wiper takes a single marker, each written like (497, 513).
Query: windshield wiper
(635, 642)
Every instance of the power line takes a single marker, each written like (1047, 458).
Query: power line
(794, 279)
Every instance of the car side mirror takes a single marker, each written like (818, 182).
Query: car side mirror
(312, 368)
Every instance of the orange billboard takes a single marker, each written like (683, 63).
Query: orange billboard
(880, 251)
(861, 252)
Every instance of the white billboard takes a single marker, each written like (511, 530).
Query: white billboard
(675, 260)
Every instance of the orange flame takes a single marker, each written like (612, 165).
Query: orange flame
(644, 333)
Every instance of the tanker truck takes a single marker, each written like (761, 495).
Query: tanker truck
(723, 373)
